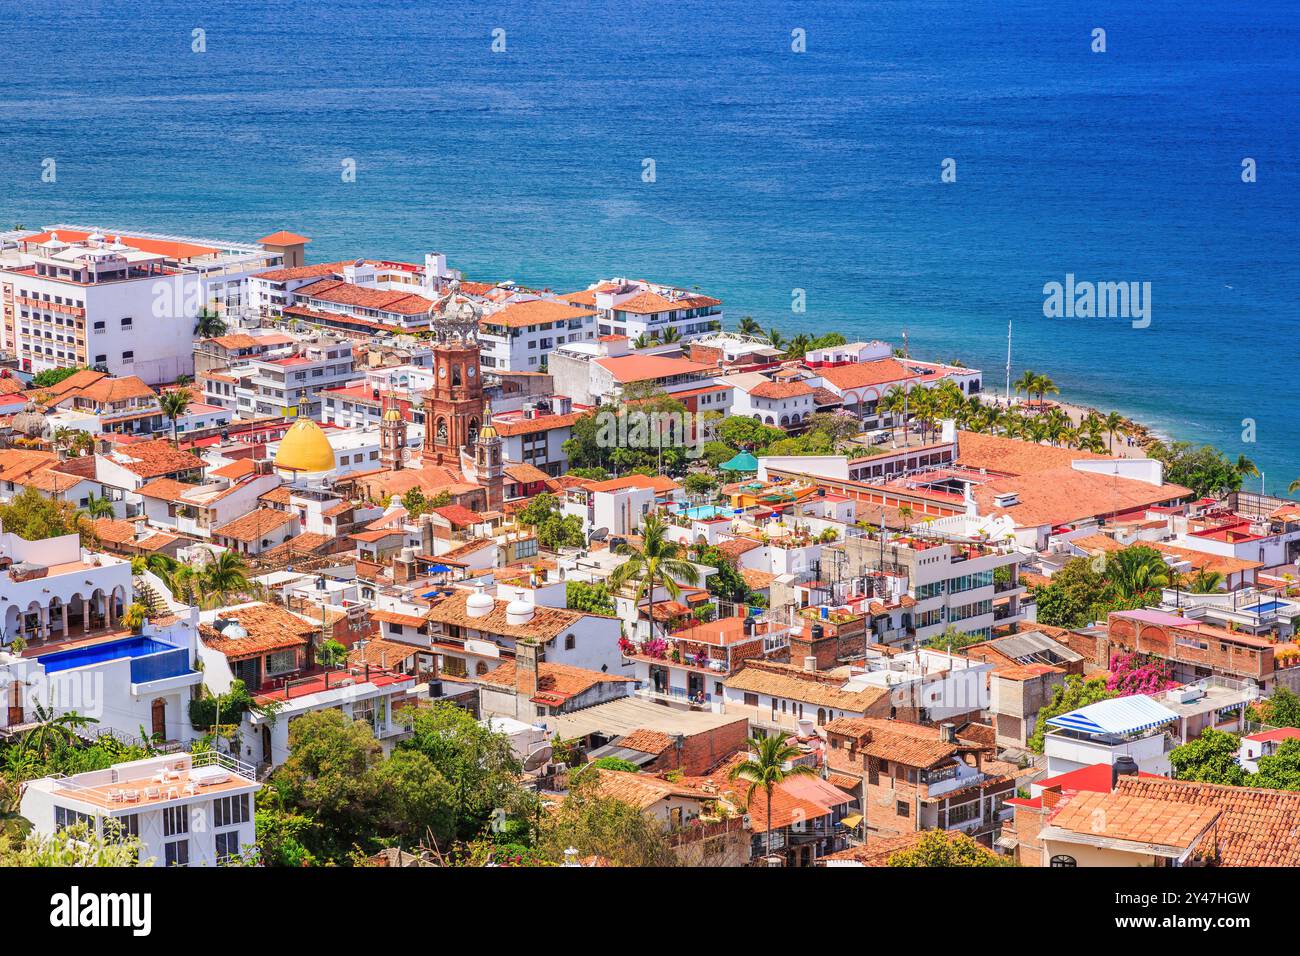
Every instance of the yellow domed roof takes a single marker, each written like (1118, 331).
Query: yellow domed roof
(304, 447)
(394, 414)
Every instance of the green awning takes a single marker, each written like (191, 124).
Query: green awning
(744, 461)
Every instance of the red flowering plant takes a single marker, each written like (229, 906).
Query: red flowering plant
(1139, 674)
(657, 648)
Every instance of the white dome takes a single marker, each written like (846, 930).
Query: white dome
(519, 612)
(479, 604)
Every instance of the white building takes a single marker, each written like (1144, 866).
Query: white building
(636, 307)
(185, 809)
(779, 404)
(519, 336)
(290, 386)
(124, 303)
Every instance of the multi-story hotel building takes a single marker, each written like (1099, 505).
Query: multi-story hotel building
(126, 303)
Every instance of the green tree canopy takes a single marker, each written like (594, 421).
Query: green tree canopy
(1210, 758)
(944, 848)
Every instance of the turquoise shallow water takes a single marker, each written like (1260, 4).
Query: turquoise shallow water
(775, 170)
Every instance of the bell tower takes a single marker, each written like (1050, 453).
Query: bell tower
(489, 468)
(454, 405)
(392, 436)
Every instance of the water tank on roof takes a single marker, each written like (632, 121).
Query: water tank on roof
(519, 613)
(479, 604)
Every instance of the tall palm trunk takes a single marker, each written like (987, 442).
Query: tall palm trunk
(768, 788)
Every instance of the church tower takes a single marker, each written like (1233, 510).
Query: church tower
(392, 436)
(489, 468)
(454, 405)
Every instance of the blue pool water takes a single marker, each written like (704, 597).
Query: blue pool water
(1267, 607)
(704, 512)
(108, 651)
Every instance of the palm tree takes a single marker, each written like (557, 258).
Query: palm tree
(670, 334)
(62, 437)
(749, 327)
(1246, 468)
(1137, 570)
(1205, 581)
(775, 339)
(640, 342)
(1026, 383)
(657, 561)
(224, 575)
(83, 443)
(209, 325)
(1294, 486)
(798, 346)
(1113, 423)
(771, 762)
(1092, 442)
(174, 404)
(58, 730)
(895, 401)
(99, 507)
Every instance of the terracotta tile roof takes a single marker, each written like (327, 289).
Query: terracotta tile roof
(73, 383)
(168, 489)
(878, 849)
(269, 628)
(114, 390)
(643, 368)
(305, 272)
(1199, 560)
(1012, 456)
(277, 496)
(12, 386)
(520, 315)
(794, 799)
(735, 547)
(646, 741)
(788, 683)
(757, 580)
(660, 484)
(779, 390)
(510, 427)
(650, 303)
(1257, 827)
(458, 515)
(236, 469)
(643, 790)
(1123, 816)
(526, 474)
(824, 396)
(556, 683)
(255, 524)
(168, 248)
(153, 459)
(283, 238)
(16, 464)
(547, 623)
(396, 617)
(863, 374)
(338, 292)
(381, 652)
(112, 531)
(1062, 495)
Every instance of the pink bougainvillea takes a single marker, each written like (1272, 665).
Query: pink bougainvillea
(1138, 674)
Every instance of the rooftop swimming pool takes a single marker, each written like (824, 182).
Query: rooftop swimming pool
(704, 512)
(1265, 607)
(107, 651)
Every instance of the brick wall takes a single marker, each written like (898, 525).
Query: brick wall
(701, 752)
(1222, 652)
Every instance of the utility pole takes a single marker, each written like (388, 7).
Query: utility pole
(1008, 363)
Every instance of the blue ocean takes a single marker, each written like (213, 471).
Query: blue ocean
(794, 146)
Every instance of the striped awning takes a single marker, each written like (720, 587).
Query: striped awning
(1120, 715)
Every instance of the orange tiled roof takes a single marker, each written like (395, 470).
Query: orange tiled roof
(153, 459)
(547, 622)
(643, 368)
(788, 683)
(1257, 827)
(778, 390)
(253, 525)
(1012, 456)
(236, 469)
(338, 292)
(283, 238)
(646, 741)
(1122, 816)
(115, 390)
(509, 427)
(168, 489)
(1061, 495)
(650, 303)
(534, 312)
(863, 374)
(557, 682)
(269, 628)
(643, 790)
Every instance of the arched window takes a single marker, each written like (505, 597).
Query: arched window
(1064, 861)
(821, 717)
(570, 642)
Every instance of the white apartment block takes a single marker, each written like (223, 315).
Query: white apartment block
(636, 307)
(74, 296)
(519, 336)
(287, 386)
(185, 809)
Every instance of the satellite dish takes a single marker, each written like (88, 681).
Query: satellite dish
(538, 758)
(600, 534)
